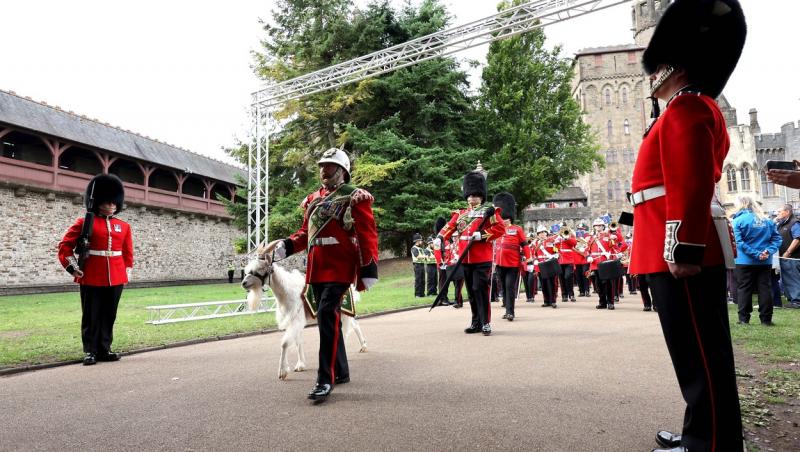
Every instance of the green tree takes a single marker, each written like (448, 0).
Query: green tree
(533, 131)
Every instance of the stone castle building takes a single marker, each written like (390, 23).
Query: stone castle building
(181, 230)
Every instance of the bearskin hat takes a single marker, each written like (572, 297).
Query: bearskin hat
(474, 184)
(104, 188)
(440, 222)
(705, 37)
(505, 201)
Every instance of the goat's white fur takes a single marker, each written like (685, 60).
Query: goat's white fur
(287, 286)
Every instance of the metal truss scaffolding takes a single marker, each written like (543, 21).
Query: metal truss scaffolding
(504, 24)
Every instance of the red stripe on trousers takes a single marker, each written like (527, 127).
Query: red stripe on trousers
(335, 347)
(705, 367)
(489, 298)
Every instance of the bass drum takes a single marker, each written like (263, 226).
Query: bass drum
(549, 268)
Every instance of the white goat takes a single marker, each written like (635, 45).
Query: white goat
(287, 286)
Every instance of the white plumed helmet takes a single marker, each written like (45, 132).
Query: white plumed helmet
(598, 222)
(541, 228)
(339, 157)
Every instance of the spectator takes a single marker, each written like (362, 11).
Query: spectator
(789, 229)
(757, 239)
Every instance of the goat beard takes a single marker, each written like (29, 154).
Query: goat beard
(254, 298)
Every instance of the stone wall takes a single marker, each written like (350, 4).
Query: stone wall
(168, 244)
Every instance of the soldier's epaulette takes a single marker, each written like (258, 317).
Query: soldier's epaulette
(359, 195)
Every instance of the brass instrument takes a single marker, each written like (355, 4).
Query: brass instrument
(582, 246)
(626, 256)
(613, 226)
(565, 232)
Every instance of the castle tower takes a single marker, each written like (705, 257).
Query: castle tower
(645, 16)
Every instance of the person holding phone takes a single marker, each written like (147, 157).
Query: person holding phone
(784, 173)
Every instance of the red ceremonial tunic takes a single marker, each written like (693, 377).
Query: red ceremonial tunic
(466, 222)
(344, 243)
(683, 152)
(510, 245)
(543, 250)
(601, 248)
(566, 249)
(108, 234)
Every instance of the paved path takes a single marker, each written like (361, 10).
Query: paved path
(569, 379)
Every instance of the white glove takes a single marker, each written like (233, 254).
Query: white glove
(536, 262)
(280, 250)
(589, 259)
(128, 271)
(475, 236)
(443, 266)
(437, 242)
(369, 282)
(530, 268)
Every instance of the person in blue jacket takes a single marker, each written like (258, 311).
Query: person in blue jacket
(757, 239)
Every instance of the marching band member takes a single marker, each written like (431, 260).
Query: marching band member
(565, 242)
(507, 252)
(544, 251)
(479, 224)
(681, 240)
(581, 264)
(600, 250)
(529, 277)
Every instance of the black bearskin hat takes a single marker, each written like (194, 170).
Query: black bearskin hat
(104, 188)
(705, 37)
(440, 222)
(474, 184)
(506, 202)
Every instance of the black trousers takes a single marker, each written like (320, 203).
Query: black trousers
(752, 278)
(98, 313)
(644, 290)
(548, 289)
(509, 277)
(631, 281)
(332, 353)
(583, 281)
(529, 281)
(419, 280)
(567, 280)
(442, 278)
(477, 276)
(230, 276)
(433, 279)
(605, 289)
(497, 288)
(694, 319)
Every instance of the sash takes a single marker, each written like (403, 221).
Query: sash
(336, 205)
(348, 306)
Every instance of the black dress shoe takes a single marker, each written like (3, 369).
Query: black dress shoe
(472, 329)
(611, 306)
(505, 316)
(647, 308)
(108, 356)
(458, 305)
(768, 323)
(89, 359)
(487, 330)
(668, 439)
(547, 304)
(601, 306)
(341, 380)
(672, 449)
(510, 317)
(320, 392)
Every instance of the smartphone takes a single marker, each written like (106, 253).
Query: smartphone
(780, 165)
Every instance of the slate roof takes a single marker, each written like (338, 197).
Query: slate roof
(31, 115)
(568, 194)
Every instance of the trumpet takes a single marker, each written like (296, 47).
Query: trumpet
(565, 232)
(613, 226)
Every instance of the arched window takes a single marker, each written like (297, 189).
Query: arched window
(610, 128)
(80, 160)
(627, 186)
(627, 126)
(745, 172)
(624, 95)
(618, 190)
(610, 191)
(767, 186)
(611, 156)
(730, 174)
(607, 96)
(26, 147)
(127, 171)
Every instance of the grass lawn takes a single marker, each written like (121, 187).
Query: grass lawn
(46, 328)
(780, 343)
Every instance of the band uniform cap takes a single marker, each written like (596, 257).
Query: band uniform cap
(416, 237)
(541, 229)
(505, 201)
(104, 188)
(598, 222)
(339, 157)
(474, 185)
(438, 225)
(705, 37)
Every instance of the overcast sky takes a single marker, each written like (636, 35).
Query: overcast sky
(180, 71)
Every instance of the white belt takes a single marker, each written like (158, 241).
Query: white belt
(322, 241)
(105, 253)
(647, 194)
(465, 237)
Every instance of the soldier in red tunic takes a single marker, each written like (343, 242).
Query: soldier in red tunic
(601, 249)
(340, 235)
(105, 270)
(543, 251)
(470, 227)
(565, 242)
(679, 244)
(507, 252)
